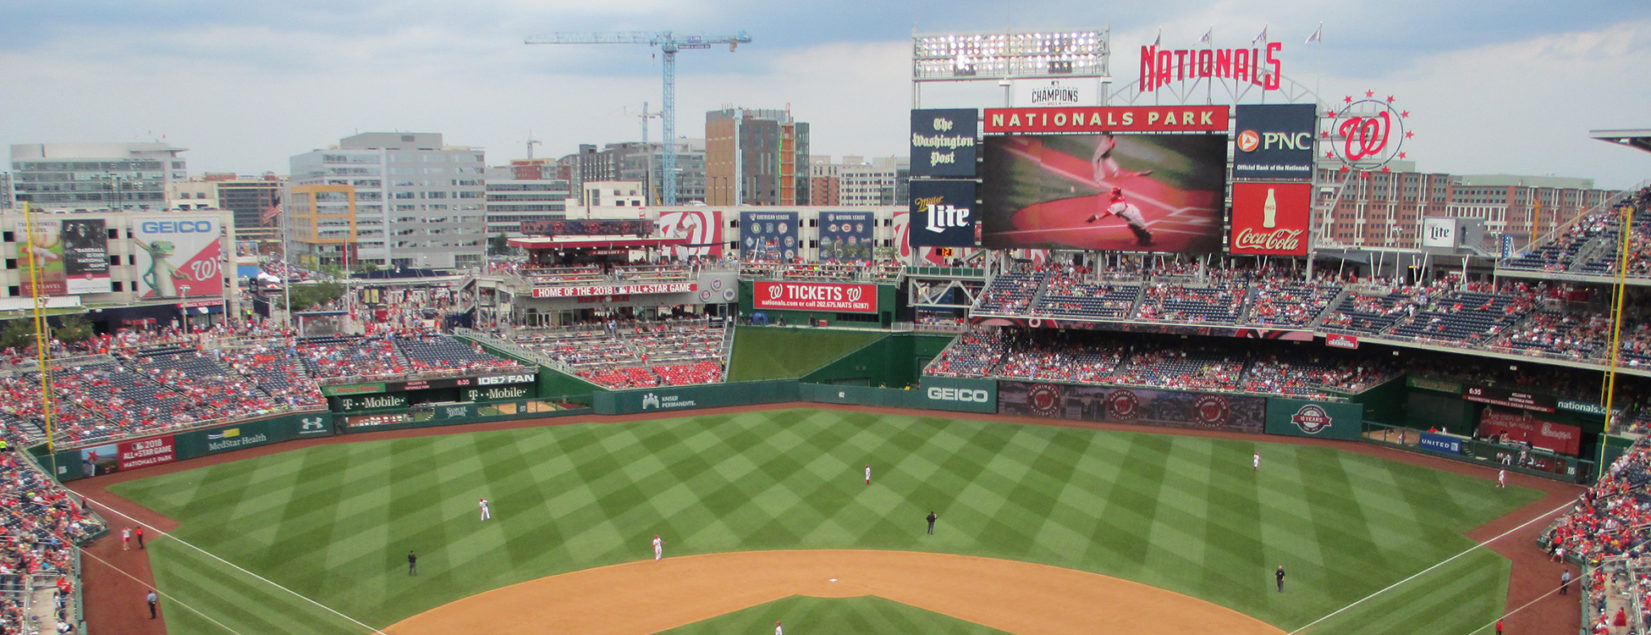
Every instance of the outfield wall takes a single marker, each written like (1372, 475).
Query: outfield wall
(1146, 407)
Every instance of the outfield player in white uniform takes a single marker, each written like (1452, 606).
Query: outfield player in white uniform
(1257, 461)
(1129, 212)
(659, 547)
(868, 474)
(486, 514)
(1104, 165)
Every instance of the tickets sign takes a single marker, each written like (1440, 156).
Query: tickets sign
(816, 296)
(613, 289)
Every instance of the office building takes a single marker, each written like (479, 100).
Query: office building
(95, 176)
(755, 157)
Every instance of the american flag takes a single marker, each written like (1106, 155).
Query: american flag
(272, 212)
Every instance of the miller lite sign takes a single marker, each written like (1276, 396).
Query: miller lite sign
(943, 214)
(1271, 218)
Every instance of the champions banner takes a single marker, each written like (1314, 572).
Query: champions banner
(1141, 406)
(178, 256)
(815, 296)
(846, 236)
(769, 235)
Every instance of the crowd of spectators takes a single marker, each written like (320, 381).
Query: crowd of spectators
(1590, 245)
(634, 354)
(1142, 360)
(40, 527)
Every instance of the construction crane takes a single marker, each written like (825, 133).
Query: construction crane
(647, 155)
(669, 43)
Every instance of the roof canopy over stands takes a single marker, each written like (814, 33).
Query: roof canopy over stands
(1634, 138)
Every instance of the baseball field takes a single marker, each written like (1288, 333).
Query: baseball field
(315, 540)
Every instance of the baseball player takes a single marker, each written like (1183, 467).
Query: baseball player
(1105, 166)
(868, 474)
(659, 548)
(1257, 461)
(1501, 478)
(1130, 213)
(486, 514)
(778, 630)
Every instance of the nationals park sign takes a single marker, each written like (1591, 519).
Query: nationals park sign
(816, 296)
(1107, 119)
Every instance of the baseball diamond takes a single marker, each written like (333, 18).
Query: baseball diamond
(1179, 513)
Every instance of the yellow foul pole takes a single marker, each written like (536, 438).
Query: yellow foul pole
(42, 337)
(1616, 329)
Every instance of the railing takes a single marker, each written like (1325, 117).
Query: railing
(1536, 462)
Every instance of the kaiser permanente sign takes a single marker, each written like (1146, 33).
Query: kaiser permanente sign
(816, 296)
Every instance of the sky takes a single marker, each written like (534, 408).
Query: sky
(1508, 87)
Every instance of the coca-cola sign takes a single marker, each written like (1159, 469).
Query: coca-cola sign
(815, 296)
(1271, 218)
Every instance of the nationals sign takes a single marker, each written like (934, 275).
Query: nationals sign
(1107, 119)
(1271, 218)
(816, 296)
(610, 289)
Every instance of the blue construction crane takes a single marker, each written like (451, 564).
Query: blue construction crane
(669, 43)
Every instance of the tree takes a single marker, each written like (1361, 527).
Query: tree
(73, 328)
(367, 267)
(499, 244)
(18, 334)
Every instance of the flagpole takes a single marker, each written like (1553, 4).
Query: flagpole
(1209, 82)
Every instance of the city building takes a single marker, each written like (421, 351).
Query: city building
(825, 182)
(1388, 209)
(755, 157)
(631, 161)
(321, 226)
(525, 190)
(95, 176)
(256, 203)
(611, 199)
(418, 202)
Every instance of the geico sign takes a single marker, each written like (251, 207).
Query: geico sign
(176, 227)
(967, 395)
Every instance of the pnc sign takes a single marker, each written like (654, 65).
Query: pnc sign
(1271, 218)
(1274, 141)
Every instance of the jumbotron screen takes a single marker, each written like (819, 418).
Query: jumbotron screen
(1099, 192)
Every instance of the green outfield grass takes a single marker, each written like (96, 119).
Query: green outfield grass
(781, 353)
(849, 616)
(1186, 514)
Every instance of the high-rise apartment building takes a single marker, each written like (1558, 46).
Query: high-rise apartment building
(1389, 209)
(755, 157)
(417, 202)
(525, 190)
(95, 176)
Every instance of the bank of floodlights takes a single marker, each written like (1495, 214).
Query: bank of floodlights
(979, 56)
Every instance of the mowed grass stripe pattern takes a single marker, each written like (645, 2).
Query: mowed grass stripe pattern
(815, 616)
(1181, 513)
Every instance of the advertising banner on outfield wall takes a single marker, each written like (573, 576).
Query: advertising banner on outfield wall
(1274, 141)
(1441, 443)
(957, 393)
(127, 455)
(1522, 427)
(692, 397)
(1141, 406)
(943, 142)
(1297, 418)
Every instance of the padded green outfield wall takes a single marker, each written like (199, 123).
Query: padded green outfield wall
(661, 399)
(895, 361)
(1324, 420)
(182, 446)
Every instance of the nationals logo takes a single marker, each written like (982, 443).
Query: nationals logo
(1311, 419)
(1122, 405)
(1045, 400)
(1366, 134)
(1210, 410)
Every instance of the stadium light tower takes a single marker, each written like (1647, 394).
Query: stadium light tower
(1004, 57)
(669, 43)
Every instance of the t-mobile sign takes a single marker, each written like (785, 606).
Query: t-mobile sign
(816, 296)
